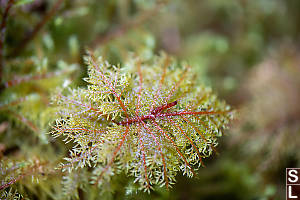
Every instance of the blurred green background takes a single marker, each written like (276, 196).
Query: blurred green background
(248, 51)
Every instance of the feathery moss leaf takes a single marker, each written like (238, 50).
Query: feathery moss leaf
(149, 119)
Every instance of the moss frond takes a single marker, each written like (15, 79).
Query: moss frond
(149, 119)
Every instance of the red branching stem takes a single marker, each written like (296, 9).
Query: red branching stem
(135, 120)
(198, 131)
(161, 153)
(177, 84)
(111, 87)
(214, 149)
(203, 123)
(114, 155)
(177, 149)
(11, 181)
(194, 146)
(37, 28)
(137, 113)
(164, 115)
(189, 90)
(159, 109)
(154, 114)
(167, 61)
(194, 127)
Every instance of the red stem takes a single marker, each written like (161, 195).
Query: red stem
(163, 107)
(12, 181)
(177, 85)
(174, 144)
(194, 146)
(166, 63)
(163, 115)
(114, 155)
(111, 87)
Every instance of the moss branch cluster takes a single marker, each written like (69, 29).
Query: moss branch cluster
(148, 119)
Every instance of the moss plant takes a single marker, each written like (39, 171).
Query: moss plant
(147, 118)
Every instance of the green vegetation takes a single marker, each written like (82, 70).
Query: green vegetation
(112, 99)
(150, 123)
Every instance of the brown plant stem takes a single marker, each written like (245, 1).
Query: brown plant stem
(12, 103)
(25, 121)
(117, 31)
(2, 37)
(36, 29)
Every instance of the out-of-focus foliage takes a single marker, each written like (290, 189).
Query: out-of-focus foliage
(246, 50)
(269, 121)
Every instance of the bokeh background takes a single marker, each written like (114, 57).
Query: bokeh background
(248, 51)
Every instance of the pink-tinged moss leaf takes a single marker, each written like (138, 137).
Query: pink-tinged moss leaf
(149, 119)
